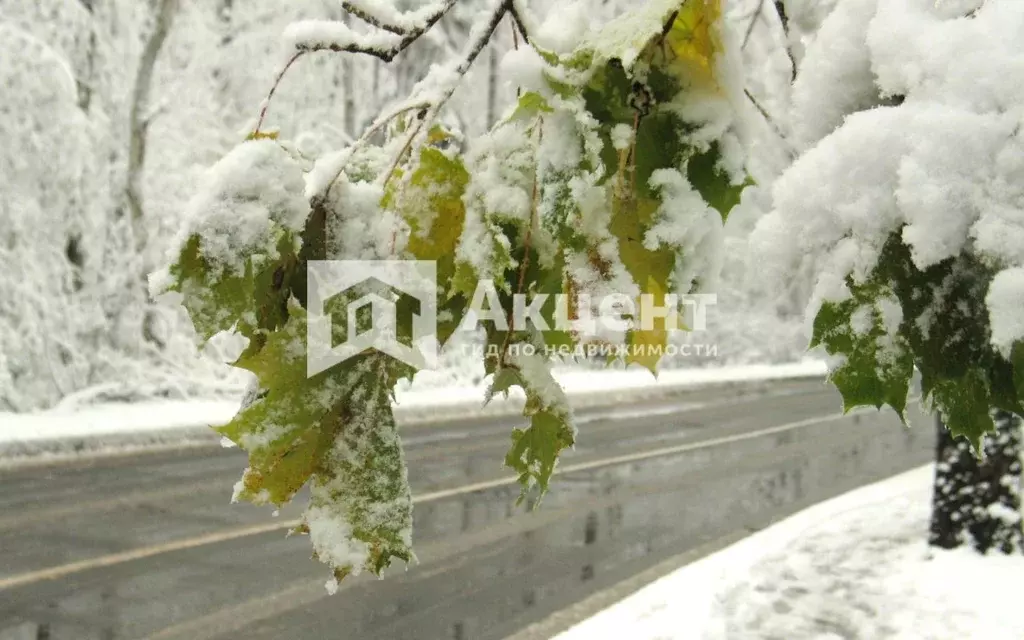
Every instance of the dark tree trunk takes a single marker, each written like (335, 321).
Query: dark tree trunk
(978, 502)
(492, 86)
(780, 7)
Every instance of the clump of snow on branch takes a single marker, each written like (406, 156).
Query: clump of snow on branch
(686, 221)
(311, 35)
(253, 188)
(1005, 304)
(837, 65)
(943, 162)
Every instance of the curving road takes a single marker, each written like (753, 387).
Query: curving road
(147, 546)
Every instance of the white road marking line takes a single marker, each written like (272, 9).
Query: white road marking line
(53, 573)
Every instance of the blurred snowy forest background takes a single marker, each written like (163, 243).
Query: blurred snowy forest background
(112, 109)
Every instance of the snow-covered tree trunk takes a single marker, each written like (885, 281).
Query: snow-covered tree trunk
(978, 502)
(140, 114)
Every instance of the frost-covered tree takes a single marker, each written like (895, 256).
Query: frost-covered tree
(612, 172)
(64, 325)
(907, 201)
(151, 93)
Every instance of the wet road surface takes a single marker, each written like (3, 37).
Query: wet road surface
(148, 546)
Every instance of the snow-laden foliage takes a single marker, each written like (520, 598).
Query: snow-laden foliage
(612, 173)
(75, 321)
(88, 207)
(907, 200)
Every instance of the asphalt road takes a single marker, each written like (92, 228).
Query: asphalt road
(148, 546)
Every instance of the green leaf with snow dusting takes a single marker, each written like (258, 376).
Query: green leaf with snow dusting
(336, 431)
(935, 320)
(218, 298)
(877, 366)
(534, 452)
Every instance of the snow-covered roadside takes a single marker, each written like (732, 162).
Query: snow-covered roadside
(591, 387)
(855, 567)
(581, 382)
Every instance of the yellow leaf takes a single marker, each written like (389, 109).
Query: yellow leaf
(695, 41)
(646, 347)
(271, 134)
(650, 269)
(283, 466)
(431, 203)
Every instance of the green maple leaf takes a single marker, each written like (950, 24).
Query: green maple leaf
(535, 450)
(876, 370)
(944, 333)
(714, 184)
(218, 298)
(431, 202)
(529, 105)
(335, 431)
(964, 404)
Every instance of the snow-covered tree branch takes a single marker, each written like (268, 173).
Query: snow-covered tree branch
(612, 172)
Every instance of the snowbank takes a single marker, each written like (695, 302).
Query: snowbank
(579, 382)
(589, 388)
(856, 566)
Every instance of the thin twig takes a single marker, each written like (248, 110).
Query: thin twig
(753, 21)
(413, 132)
(379, 123)
(273, 90)
(771, 122)
(780, 10)
(518, 20)
(433, 107)
(477, 46)
(386, 55)
(527, 240)
(533, 217)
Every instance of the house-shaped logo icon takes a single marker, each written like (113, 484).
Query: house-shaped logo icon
(358, 305)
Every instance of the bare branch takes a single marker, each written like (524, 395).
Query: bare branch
(430, 106)
(403, 23)
(780, 8)
(378, 49)
(374, 45)
(371, 20)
